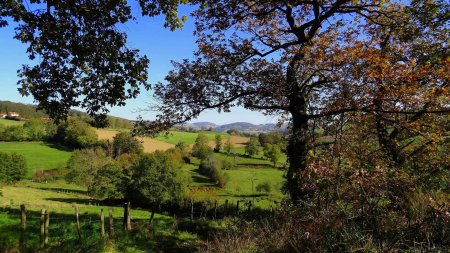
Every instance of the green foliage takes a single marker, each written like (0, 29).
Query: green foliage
(228, 146)
(12, 167)
(110, 182)
(273, 153)
(76, 133)
(124, 142)
(201, 149)
(84, 164)
(218, 143)
(252, 148)
(213, 167)
(155, 180)
(264, 187)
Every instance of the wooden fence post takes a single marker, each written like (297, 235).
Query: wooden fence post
(23, 218)
(127, 217)
(42, 228)
(47, 224)
(249, 205)
(111, 222)
(102, 224)
(237, 207)
(23, 227)
(192, 210)
(77, 219)
(215, 209)
(226, 207)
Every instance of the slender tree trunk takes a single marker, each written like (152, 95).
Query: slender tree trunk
(297, 145)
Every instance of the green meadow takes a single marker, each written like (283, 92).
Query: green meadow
(39, 155)
(7, 122)
(175, 137)
(63, 235)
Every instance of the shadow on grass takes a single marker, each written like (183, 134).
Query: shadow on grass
(74, 200)
(57, 146)
(61, 190)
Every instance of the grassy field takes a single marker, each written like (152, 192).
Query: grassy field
(63, 236)
(8, 122)
(189, 138)
(243, 179)
(39, 155)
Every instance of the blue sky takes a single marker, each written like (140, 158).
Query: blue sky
(146, 34)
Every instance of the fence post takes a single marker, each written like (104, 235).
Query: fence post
(47, 224)
(249, 205)
(215, 209)
(77, 219)
(23, 218)
(127, 217)
(42, 228)
(192, 210)
(111, 222)
(102, 224)
(23, 227)
(226, 207)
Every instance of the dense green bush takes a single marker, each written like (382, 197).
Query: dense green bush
(213, 168)
(84, 164)
(76, 133)
(13, 167)
(201, 149)
(124, 143)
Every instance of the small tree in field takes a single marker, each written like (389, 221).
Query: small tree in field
(201, 149)
(155, 180)
(124, 142)
(218, 140)
(228, 145)
(252, 147)
(109, 182)
(273, 153)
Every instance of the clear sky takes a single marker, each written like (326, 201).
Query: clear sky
(146, 34)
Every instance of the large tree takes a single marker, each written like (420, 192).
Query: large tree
(79, 54)
(301, 60)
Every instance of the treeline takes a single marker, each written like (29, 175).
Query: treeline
(31, 112)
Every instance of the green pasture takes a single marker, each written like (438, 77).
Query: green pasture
(243, 180)
(62, 233)
(175, 137)
(39, 155)
(7, 122)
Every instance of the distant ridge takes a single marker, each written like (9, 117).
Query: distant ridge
(239, 126)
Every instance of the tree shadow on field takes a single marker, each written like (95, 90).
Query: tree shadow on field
(60, 190)
(257, 166)
(57, 146)
(74, 201)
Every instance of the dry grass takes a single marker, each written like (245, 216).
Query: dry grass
(150, 145)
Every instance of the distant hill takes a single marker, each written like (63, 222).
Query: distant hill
(248, 127)
(239, 126)
(204, 125)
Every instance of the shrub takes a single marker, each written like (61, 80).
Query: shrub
(212, 168)
(84, 164)
(264, 187)
(13, 167)
(124, 142)
(201, 149)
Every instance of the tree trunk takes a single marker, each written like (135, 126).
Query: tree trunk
(297, 145)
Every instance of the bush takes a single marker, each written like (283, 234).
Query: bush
(212, 168)
(84, 164)
(76, 133)
(201, 149)
(264, 187)
(13, 168)
(124, 142)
